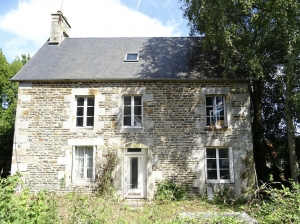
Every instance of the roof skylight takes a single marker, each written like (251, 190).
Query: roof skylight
(131, 57)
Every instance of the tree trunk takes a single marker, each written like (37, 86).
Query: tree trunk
(259, 146)
(288, 114)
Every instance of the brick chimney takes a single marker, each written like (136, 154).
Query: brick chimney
(60, 28)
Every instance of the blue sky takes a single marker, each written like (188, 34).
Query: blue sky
(25, 24)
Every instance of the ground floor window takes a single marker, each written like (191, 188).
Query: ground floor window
(83, 163)
(219, 165)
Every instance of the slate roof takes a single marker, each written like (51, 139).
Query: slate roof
(103, 59)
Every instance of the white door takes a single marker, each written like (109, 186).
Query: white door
(134, 173)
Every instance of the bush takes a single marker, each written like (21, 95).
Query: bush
(171, 191)
(105, 173)
(25, 207)
(282, 206)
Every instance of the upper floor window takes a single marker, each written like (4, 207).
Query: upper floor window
(83, 163)
(219, 164)
(133, 57)
(215, 111)
(132, 111)
(85, 107)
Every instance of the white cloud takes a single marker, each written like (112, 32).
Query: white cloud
(30, 21)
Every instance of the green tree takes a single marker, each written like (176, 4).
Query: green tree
(263, 36)
(8, 102)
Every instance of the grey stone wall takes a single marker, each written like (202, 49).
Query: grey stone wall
(174, 131)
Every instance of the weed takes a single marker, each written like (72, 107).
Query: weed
(171, 191)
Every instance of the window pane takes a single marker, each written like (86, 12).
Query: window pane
(219, 101)
(212, 174)
(209, 101)
(211, 164)
(79, 172)
(137, 110)
(224, 163)
(79, 162)
(134, 172)
(127, 121)
(137, 100)
(79, 121)
(79, 111)
(134, 150)
(90, 101)
(89, 152)
(89, 173)
(137, 121)
(210, 153)
(90, 121)
(90, 111)
(131, 57)
(127, 110)
(127, 100)
(219, 108)
(90, 162)
(209, 115)
(223, 153)
(222, 115)
(80, 101)
(224, 174)
(79, 152)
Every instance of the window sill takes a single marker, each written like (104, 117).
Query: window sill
(132, 129)
(219, 182)
(82, 129)
(217, 129)
(83, 181)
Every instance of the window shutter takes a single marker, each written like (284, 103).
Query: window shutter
(73, 162)
(231, 164)
(94, 159)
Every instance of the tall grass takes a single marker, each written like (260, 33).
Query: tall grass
(282, 206)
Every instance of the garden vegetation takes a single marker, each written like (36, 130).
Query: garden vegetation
(278, 206)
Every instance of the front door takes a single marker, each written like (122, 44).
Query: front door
(134, 173)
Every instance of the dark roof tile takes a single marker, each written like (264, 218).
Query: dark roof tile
(103, 59)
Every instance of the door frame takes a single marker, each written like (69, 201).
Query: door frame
(143, 159)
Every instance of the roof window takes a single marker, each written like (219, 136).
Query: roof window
(131, 57)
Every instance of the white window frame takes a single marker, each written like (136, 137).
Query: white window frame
(212, 113)
(132, 111)
(231, 170)
(85, 178)
(128, 60)
(85, 106)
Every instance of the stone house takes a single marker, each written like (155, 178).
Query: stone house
(159, 103)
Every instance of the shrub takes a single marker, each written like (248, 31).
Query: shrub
(281, 207)
(171, 191)
(25, 207)
(105, 174)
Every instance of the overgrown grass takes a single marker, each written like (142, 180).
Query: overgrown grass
(80, 208)
(281, 206)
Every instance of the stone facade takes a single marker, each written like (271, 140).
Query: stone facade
(174, 132)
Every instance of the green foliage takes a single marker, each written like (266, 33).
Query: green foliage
(215, 219)
(8, 103)
(25, 207)
(170, 191)
(283, 206)
(257, 39)
(105, 173)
